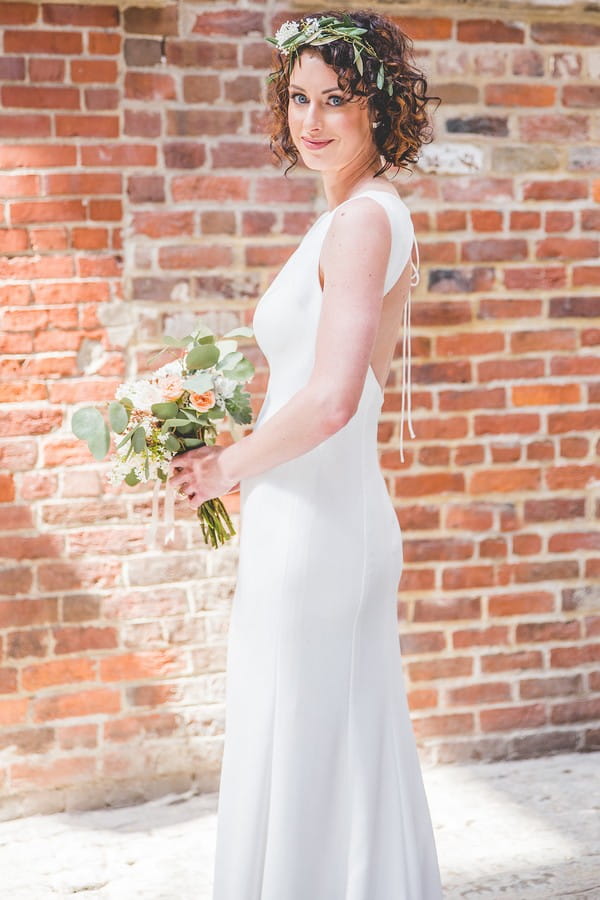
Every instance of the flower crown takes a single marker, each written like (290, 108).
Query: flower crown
(294, 34)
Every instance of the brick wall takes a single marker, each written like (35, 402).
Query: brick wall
(136, 193)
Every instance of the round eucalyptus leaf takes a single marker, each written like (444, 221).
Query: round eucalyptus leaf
(225, 347)
(164, 410)
(199, 383)
(87, 422)
(202, 357)
(99, 443)
(240, 331)
(131, 479)
(229, 361)
(118, 417)
(242, 371)
(172, 443)
(138, 439)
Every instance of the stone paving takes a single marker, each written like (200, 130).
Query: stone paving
(522, 830)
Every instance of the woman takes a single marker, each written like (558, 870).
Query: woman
(321, 794)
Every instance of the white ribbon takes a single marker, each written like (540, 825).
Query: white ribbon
(406, 355)
(168, 514)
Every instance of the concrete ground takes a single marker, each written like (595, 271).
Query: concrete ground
(523, 830)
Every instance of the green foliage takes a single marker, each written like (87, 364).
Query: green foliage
(164, 410)
(88, 425)
(118, 416)
(202, 357)
(238, 406)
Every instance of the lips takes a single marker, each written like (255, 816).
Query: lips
(314, 145)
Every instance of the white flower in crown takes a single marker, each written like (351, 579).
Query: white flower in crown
(286, 31)
(311, 26)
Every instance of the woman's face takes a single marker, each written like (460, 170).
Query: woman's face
(330, 129)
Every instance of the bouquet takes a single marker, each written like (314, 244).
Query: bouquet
(174, 409)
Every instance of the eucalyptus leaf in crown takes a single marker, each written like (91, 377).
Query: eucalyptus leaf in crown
(294, 34)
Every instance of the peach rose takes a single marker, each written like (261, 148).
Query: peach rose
(202, 402)
(171, 387)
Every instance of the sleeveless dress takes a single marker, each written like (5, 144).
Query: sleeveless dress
(321, 794)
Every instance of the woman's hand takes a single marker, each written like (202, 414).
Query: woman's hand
(198, 475)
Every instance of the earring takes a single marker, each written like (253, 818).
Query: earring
(374, 124)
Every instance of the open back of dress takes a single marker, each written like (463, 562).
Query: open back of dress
(321, 794)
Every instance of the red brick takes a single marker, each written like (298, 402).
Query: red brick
(94, 71)
(530, 602)
(136, 666)
(430, 483)
(501, 662)
(73, 15)
(162, 21)
(40, 97)
(554, 128)
(26, 125)
(475, 694)
(439, 725)
(87, 126)
(515, 94)
(547, 394)
(59, 671)
(429, 670)
(467, 577)
(574, 540)
(486, 30)
(43, 43)
(229, 22)
(563, 189)
(13, 711)
(121, 155)
(510, 717)
(84, 183)
(77, 704)
(100, 42)
(581, 710)
(570, 33)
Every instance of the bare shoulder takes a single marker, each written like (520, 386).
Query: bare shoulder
(357, 226)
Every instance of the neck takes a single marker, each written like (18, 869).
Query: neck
(340, 185)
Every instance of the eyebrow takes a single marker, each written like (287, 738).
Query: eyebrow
(328, 91)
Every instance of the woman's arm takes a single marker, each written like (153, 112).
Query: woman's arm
(354, 260)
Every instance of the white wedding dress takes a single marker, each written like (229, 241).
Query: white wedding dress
(321, 794)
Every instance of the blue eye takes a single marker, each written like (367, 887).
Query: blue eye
(332, 97)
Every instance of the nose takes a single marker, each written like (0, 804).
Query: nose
(312, 118)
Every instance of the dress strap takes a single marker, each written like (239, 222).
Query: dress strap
(406, 354)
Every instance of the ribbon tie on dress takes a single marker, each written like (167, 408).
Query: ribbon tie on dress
(406, 355)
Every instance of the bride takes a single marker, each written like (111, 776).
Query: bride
(321, 794)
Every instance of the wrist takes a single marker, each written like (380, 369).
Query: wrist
(228, 465)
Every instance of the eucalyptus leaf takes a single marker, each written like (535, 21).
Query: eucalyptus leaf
(172, 443)
(131, 479)
(177, 342)
(226, 347)
(203, 331)
(193, 443)
(202, 357)
(87, 422)
(138, 439)
(242, 371)
(380, 77)
(164, 410)
(199, 383)
(99, 443)
(173, 423)
(240, 331)
(358, 61)
(118, 417)
(229, 361)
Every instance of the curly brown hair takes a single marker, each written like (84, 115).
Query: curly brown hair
(403, 120)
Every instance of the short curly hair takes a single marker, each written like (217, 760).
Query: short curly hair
(403, 118)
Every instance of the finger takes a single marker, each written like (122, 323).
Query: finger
(179, 478)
